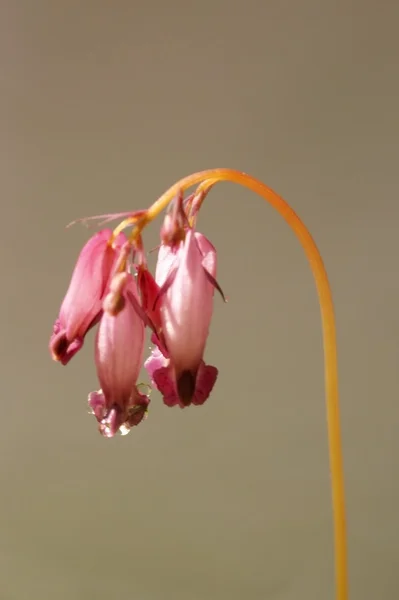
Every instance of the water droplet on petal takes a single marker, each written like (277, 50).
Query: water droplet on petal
(124, 430)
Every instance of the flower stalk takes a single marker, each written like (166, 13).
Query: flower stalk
(209, 178)
(180, 383)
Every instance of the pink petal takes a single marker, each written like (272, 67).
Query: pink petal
(167, 259)
(206, 379)
(119, 349)
(208, 252)
(149, 291)
(82, 305)
(88, 284)
(187, 307)
(61, 348)
(165, 382)
(188, 389)
(154, 362)
(118, 406)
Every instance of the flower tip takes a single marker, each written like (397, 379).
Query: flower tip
(118, 419)
(58, 346)
(62, 349)
(186, 387)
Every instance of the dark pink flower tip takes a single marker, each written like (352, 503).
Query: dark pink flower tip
(82, 305)
(61, 348)
(182, 388)
(114, 419)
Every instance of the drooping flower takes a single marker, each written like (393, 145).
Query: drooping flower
(187, 300)
(82, 304)
(186, 277)
(118, 405)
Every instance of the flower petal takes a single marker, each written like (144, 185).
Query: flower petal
(188, 388)
(187, 307)
(115, 419)
(82, 305)
(119, 349)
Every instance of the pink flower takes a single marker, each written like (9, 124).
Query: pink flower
(81, 307)
(119, 353)
(185, 274)
(187, 303)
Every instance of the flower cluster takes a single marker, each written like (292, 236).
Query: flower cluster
(113, 290)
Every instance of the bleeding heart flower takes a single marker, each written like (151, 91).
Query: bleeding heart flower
(186, 276)
(118, 405)
(81, 307)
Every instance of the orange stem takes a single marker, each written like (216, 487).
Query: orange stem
(329, 340)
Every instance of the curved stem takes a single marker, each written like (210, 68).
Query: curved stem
(329, 341)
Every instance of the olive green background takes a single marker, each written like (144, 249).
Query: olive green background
(103, 105)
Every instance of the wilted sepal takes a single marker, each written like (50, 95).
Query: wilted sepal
(82, 305)
(118, 356)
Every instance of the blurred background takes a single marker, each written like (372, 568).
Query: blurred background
(103, 106)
